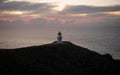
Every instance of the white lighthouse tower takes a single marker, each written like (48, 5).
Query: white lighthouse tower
(59, 38)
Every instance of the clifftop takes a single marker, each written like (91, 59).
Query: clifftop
(57, 59)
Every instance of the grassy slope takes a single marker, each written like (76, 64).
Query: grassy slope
(54, 59)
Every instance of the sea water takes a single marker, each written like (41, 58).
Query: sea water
(101, 39)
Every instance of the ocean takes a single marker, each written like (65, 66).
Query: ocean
(101, 39)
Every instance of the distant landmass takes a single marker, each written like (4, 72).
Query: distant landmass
(56, 59)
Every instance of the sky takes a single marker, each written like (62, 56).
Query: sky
(23, 17)
(60, 11)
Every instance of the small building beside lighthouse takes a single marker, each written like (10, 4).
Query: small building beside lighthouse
(59, 38)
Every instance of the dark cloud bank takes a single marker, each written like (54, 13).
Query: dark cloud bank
(45, 8)
(81, 9)
(24, 6)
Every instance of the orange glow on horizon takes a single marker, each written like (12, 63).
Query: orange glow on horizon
(7, 19)
(82, 15)
(117, 13)
(49, 18)
(13, 12)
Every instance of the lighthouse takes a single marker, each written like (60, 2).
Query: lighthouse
(59, 38)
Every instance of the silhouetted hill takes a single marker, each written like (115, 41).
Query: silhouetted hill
(56, 59)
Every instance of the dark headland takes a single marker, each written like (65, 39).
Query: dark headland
(56, 59)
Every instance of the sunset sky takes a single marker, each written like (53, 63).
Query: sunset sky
(60, 11)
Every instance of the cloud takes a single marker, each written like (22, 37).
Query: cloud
(24, 10)
(42, 13)
(1, 1)
(24, 6)
(82, 9)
